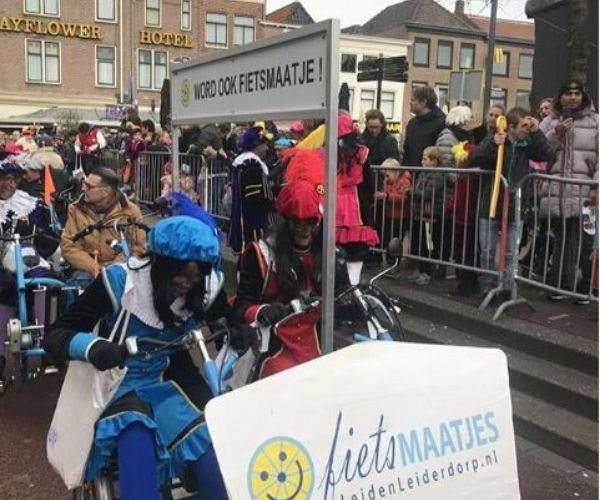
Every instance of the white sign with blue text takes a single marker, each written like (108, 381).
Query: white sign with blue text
(284, 75)
(372, 421)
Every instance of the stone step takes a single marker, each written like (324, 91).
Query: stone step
(561, 431)
(551, 382)
(559, 347)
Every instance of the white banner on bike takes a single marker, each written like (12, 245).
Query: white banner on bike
(372, 421)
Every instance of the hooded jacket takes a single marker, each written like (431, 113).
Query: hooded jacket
(422, 131)
(576, 158)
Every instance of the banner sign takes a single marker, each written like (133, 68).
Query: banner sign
(371, 421)
(285, 75)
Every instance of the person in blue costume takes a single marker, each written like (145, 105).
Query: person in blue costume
(155, 422)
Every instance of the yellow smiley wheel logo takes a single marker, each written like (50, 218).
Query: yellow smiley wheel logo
(281, 469)
(186, 92)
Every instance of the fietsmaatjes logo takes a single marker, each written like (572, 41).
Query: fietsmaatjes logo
(186, 92)
(281, 469)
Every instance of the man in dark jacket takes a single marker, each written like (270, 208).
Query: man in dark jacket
(523, 141)
(382, 145)
(422, 129)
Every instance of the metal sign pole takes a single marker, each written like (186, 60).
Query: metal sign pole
(328, 279)
(175, 159)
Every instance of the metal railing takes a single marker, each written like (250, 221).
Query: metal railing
(441, 228)
(445, 227)
(560, 251)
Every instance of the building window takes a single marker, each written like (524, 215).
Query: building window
(152, 69)
(525, 66)
(243, 30)
(153, 12)
(348, 63)
(387, 104)
(467, 56)
(367, 101)
(498, 96)
(105, 66)
(523, 99)
(501, 69)
(43, 61)
(416, 85)
(186, 14)
(106, 11)
(444, 54)
(421, 52)
(441, 90)
(42, 7)
(216, 29)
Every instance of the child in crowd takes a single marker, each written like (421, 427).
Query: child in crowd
(186, 181)
(395, 197)
(132, 151)
(430, 193)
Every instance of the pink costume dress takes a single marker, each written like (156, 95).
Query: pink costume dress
(348, 220)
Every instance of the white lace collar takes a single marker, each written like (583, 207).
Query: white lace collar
(21, 204)
(137, 296)
(249, 155)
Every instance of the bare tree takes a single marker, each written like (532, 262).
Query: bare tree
(577, 47)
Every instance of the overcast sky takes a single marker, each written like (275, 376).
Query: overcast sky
(360, 11)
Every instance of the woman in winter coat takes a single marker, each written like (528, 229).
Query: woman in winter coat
(572, 131)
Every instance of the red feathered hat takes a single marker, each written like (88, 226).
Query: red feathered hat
(302, 195)
(300, 200)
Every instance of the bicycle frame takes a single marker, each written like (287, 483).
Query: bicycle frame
(25, 337)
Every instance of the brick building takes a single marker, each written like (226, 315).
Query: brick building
(87, 54)
(444, 41)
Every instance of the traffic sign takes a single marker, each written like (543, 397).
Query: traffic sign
(395, 77)
(368, 65)
(367, 76)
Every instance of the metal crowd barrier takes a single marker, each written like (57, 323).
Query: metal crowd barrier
(560, 251)
(441, 232)
(210, 178)
(556, 242)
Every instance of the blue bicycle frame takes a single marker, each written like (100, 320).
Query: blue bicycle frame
(22, 284)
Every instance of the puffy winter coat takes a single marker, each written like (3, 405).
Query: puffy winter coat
(576, 158)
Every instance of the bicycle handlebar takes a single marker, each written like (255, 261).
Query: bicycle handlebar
(13, 238)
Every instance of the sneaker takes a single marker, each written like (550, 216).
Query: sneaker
(556, 297)
(414, 276)
(423, 279)
(582, 302)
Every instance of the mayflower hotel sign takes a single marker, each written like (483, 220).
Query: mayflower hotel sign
(54, 28)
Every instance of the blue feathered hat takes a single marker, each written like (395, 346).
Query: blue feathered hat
(180, 204)
(184, 238)
(251, 138)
